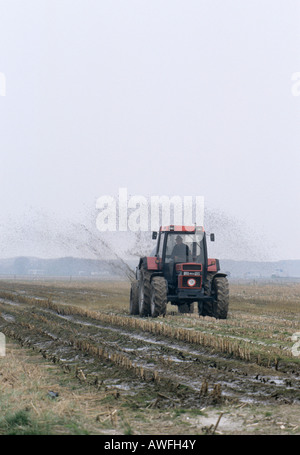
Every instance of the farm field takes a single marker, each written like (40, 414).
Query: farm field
(77, 363)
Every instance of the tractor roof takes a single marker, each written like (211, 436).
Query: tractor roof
(177, 228)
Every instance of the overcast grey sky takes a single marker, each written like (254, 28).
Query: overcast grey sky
(160, 97)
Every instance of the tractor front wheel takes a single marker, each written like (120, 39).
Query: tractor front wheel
(220, 291)
(206, 308)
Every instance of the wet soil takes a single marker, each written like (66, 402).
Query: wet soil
(129, 359)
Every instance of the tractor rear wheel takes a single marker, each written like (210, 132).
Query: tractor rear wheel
(220, 290)
(134, 298)
(144, 293)
(158, 296)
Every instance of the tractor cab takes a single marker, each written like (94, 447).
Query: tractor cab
(180, 244)
(178, 248)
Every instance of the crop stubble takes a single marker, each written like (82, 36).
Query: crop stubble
(196, 361)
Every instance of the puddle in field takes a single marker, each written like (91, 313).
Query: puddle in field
(172, 358)
(138, 337)
(135, 336)
(270, 380)
(116, 383)
(8, 317)
(9, 302)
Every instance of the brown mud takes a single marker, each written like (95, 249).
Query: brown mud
(104, 348)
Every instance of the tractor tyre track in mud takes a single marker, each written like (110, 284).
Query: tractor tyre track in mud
(102, 351)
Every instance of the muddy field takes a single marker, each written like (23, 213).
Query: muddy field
(199, 375)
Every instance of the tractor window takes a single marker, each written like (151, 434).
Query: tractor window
(183, 247)
(161, 245)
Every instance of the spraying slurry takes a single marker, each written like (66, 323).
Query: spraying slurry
(42, 235)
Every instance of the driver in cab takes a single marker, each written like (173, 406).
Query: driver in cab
(180, 251)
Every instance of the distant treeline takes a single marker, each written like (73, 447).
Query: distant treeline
(66, 266)
(71, 266)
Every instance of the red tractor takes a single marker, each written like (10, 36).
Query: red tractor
(179, 272)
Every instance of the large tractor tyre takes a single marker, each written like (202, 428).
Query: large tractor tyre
(206, 308)
(186, 308)
(134, 298)
(158, 296)
(144, 293)
(220, 291)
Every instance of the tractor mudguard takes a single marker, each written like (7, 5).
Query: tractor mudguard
(219, 274)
